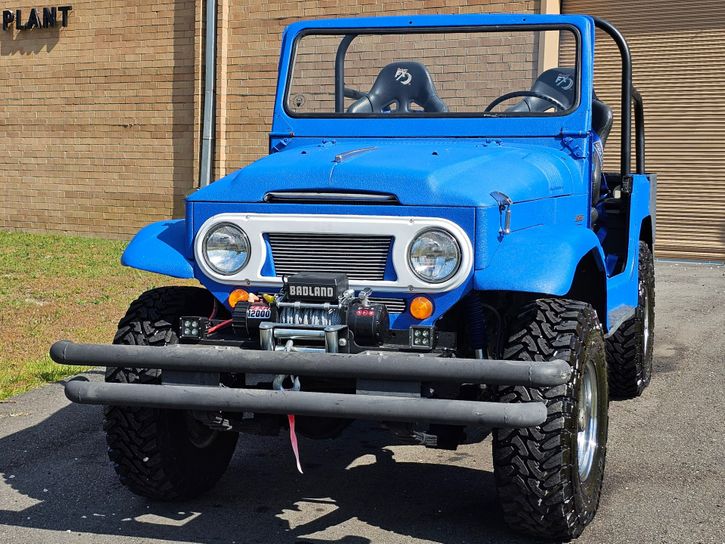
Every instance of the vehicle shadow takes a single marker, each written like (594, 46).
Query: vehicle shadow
(57, 477)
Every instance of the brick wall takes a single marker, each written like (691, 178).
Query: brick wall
(99, 124)
(98, 119)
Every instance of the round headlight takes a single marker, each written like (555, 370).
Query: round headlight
(226, 249)
(434, 256)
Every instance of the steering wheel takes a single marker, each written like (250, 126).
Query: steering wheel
(534, 94)
(353, 93)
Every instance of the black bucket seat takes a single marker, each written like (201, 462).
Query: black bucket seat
(399, 87)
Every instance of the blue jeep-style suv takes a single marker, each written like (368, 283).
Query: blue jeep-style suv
(432, 243)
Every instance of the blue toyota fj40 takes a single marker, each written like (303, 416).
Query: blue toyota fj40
(431, 243)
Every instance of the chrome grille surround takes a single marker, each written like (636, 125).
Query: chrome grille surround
(360, 257)
(401, 229)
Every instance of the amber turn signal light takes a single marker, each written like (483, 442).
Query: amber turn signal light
(238, 295)
(421, 308)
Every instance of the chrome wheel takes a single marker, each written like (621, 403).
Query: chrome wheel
(587, 421)
(646, 325)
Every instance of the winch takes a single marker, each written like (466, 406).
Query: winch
(316, 312)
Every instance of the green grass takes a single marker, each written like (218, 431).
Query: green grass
(54, 287)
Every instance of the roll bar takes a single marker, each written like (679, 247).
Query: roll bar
(639, 128)
(340, 72)
(629, 94)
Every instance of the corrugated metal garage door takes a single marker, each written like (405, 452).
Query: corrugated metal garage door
(678, 50)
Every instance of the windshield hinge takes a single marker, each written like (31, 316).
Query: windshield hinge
(575, 148)
(279, 145)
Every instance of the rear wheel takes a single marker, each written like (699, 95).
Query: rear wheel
(162, 454)
(629, 349)
(549, 477)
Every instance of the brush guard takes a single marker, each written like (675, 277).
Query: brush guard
(193, 371)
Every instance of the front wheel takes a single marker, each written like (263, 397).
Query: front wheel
(549, 477)
(162, 454)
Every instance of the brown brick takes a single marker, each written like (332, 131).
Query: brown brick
(99, 129)
(99, 116)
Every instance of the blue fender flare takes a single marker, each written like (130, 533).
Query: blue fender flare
(540, 259)
(159, 247)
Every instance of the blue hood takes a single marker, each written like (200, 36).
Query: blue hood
(418, 172)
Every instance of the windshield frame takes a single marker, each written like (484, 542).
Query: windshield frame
(576, 123)
(355, 33)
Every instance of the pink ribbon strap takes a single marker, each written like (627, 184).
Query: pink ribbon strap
(293, 440)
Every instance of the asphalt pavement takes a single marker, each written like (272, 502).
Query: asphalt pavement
(664, 481)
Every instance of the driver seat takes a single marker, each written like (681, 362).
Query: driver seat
(403, 84)
(558, 83)
(602, 119)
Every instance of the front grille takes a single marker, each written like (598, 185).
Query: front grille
(360, 257)
(394, 305)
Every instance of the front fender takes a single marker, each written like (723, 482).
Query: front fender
(159, 247)
(540, 259)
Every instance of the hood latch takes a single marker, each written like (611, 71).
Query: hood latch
(504, 205)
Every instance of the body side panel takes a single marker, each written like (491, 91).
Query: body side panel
(540, 259)
(622, 289)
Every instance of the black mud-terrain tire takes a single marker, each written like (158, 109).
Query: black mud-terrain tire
(537, 470)
(162, 454)
(630, 348)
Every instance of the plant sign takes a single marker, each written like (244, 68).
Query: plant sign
(37, 18)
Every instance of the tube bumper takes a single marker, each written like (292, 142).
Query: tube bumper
(383, 366)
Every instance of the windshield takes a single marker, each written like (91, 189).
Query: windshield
(487, 71)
